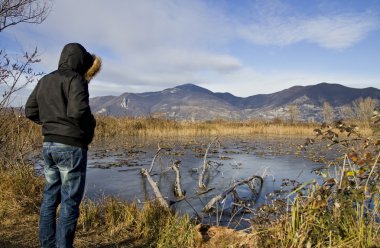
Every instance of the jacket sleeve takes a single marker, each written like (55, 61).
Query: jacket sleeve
(78, 108)
(31, 107)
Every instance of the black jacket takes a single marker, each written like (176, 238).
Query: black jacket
(60, 101)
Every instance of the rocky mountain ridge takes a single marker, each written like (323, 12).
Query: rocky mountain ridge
(191, 102)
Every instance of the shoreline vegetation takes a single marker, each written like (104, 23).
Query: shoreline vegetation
(343, 212)
(113, 127)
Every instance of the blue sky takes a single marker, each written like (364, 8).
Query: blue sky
(244, 47)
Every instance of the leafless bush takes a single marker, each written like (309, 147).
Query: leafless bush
(16, 71)
(363, 108)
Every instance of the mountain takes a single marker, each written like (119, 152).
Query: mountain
(191, 102)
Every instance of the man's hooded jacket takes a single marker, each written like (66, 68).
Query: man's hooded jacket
(60, 101)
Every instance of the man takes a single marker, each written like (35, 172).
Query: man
(60, 103)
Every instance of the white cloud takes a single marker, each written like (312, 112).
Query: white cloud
(175, 60)
(335, 31)
(339, 32)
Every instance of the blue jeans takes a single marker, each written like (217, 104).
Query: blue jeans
(65, 175)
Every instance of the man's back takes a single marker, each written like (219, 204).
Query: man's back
(60, 101)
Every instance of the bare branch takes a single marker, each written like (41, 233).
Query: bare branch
(159, 149)
(13, 12)
(223, 195)
(15, 74)
(205, 166)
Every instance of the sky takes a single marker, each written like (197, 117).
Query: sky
(245, 47)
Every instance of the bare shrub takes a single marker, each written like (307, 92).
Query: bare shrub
(363, 108)
(328, 112)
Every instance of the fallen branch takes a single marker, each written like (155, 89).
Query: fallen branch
(154, 186)
(223, 195)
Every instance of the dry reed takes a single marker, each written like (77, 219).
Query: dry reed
(111, 127)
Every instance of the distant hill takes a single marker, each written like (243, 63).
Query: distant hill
(191, 102)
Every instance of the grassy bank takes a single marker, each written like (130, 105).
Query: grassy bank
(110, 222)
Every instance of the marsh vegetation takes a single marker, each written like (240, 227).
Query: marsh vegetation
(289, 211)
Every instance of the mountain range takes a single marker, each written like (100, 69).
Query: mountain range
(191, 102)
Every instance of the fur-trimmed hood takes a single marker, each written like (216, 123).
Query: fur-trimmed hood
(94, 69)
(75, 57)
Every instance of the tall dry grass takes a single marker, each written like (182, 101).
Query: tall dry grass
(18, 136)
(149, 225)
(110, 127)
(317, 220)
(21, 189)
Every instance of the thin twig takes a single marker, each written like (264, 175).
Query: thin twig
(341, 178)
(373, 168)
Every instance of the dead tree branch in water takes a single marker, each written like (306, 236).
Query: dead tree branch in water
(223, 195)
(154, 186)
(205, 167)
(159, 149)
(177, 186)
